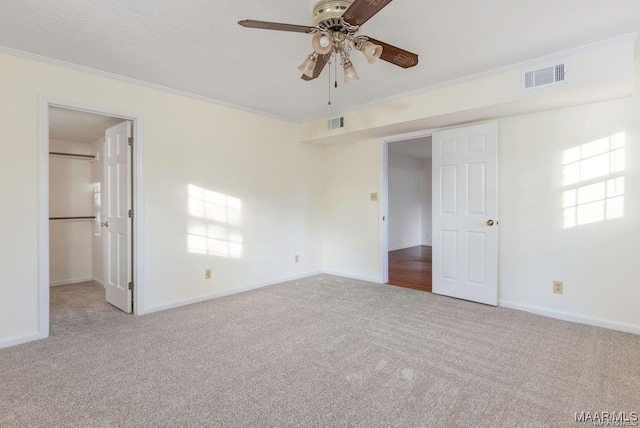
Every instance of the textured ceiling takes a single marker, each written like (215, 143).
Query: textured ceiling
(197, 46)
(78, 126)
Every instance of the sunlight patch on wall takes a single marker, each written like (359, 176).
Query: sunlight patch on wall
(214, 206)
(214, 226)
(593, 178)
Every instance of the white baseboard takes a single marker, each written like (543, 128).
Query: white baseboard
(222, 293)
(352, 276)
(403, 246)
(13, 341)
(71, 281)
(567, 316)
(100, 283)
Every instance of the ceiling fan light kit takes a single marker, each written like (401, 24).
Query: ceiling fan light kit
(322, 43)
(309, 65)
(371, 52)
(336, 24)
(350, 74)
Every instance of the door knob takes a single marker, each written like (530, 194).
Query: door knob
(104, 224)
(490, 223)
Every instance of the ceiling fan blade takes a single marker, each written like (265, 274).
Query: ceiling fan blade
(318, 70)
(395, 55)
(361, 11)
(264, 25)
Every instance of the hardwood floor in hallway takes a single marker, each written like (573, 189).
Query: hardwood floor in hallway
(411, 268)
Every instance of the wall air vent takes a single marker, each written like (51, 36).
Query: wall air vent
(544, 77)
(336, 123)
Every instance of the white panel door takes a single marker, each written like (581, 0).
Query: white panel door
(465, 206)
(116, 229)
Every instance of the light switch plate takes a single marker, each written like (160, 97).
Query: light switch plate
(374, 197)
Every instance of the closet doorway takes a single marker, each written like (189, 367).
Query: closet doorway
(409, 182)
(88, 264)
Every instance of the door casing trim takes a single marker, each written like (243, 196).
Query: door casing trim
(44, 102)
(384, 196)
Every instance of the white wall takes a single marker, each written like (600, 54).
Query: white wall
(97, 262)
(406, 178)
(427, 203)
(187, 142)
(351, 220)
(70, 194)
(597, 262)
(313, 201)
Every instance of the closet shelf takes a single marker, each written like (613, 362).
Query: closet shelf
(73, 218)
(72, 155)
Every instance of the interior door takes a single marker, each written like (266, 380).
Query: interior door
(117, 224)
(465, 206)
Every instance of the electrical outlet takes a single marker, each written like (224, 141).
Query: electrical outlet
(207, 274)
(297, 258)
(374, 197)
(558, 287)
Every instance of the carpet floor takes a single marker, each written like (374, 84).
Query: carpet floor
(319, 352)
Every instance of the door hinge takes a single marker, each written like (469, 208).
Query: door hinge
(131, 141)
(130, 213)
(131, 285)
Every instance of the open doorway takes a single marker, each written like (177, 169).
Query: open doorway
(76, 237)
(464, 208)
(409, 199)
(89, 195)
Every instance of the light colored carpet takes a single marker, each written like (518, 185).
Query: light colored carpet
(76, 307)
(324, 351)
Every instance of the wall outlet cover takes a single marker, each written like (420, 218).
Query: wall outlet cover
(558, 287)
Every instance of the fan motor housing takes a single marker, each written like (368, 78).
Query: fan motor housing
(326, 10)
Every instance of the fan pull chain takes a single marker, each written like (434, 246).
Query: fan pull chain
(329, 73)
(335, 72)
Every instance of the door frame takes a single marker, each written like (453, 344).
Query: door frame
(44, 103)
(384, 196)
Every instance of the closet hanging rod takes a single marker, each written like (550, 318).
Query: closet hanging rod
(72, 155)
(73, 218)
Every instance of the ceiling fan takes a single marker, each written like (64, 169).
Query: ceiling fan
(337, 23)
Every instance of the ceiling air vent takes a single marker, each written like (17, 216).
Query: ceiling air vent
(545, 76)
(336, 123)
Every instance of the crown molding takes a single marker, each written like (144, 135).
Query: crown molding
(484, 74)
(338, 112)
(143, 83)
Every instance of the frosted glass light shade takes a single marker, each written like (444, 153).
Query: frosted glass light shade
(350, 74)
(321, 43)
(309, 65)
(372, 52)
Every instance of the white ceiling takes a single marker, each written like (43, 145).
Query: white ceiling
(416, 148)
(197, 46)
(78, 126)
